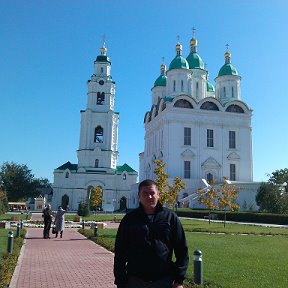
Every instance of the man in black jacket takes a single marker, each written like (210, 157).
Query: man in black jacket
(145, 242)
(47, 215)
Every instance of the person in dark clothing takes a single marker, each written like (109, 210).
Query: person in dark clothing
(145, 242)
(47, 215)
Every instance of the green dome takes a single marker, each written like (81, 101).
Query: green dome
(210, 87)
(160, 81)
(179, 62)
(195, 61)
(227, 69)
(103, 58)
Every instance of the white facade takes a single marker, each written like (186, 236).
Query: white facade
(98, 150)
(198, 131)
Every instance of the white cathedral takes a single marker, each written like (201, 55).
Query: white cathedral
(201, 132)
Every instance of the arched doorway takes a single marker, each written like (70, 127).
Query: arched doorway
(123, 203)
(65, 201)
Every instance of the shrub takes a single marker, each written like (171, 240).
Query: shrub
(83, 209)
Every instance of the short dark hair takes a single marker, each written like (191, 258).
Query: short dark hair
(146, 183)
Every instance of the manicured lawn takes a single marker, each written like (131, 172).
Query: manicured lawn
(231, 260)
(8, 262)
(241, 261)
(8, 216)
(96, 217)
(218, 227)
(3, 242)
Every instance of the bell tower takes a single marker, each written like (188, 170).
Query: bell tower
(98, 146)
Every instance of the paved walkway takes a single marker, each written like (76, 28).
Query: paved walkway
(72, 261)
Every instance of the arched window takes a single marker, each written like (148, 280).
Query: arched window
(224, 91)
(100, 98)
(102, 69)
(67, 174)
(209, 178)
(174, 85)
(124, 176)
(65, 201)
(234, 108)
(209, 106)
(183, 104)
(96, 163)
(98, 137)
(182, 86)
(232, 92)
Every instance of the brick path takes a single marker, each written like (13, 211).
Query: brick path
(72, 261)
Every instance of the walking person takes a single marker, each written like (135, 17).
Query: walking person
(47, 216)
(145, 242)
(60, 221)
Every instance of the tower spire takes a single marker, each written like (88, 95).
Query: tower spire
(193, 42)
(163, 67)
(103, 49)
(227, 55)
(178, 47)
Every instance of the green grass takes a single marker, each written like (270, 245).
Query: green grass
(218, 227)
(98, 217)
(230, 260)
(241, 261)
(8, 216)
(8, 262)
(3, 242)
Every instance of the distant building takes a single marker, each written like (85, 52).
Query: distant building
(98, 150)
(200, 131)
(39, 203)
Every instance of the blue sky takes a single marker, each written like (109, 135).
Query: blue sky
(48, 48)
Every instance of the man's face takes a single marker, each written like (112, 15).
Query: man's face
(149, 197)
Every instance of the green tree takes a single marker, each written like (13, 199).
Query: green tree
(269, 198)
(83, 209)
(42, 183)
(17, 181)
(168, 192)
(273, 196)
(3, 202)
(279, 177)
(96, 197)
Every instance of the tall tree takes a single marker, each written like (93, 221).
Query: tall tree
(273, 196)
(3, 201)
(17, 181)
(269, 198)
(279, 177)
(96, 197)
(168, 192)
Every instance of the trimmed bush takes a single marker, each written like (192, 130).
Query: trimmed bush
(83, 209)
